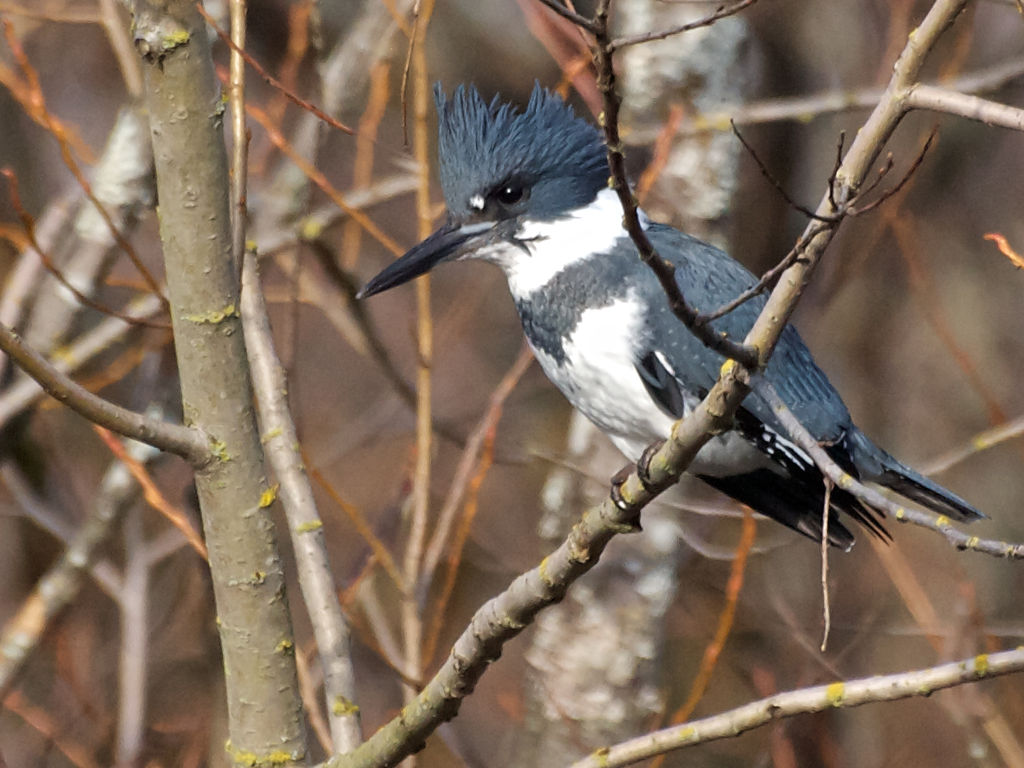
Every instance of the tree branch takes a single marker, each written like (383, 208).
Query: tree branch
(25, 391)
(870, 496)
(186, 114)
(663, 270)
(188, 442)
(953, 102)
(719, 13)
(816, 104)
(821, 698)
(281, 443)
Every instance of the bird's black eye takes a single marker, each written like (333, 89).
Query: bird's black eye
(509, 194)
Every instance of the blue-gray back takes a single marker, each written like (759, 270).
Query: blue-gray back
(709, 278)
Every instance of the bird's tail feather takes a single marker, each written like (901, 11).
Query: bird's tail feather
(877, 466)
(798, 503)
(906, 482)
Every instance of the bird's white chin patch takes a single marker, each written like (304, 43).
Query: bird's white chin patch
(546, 247)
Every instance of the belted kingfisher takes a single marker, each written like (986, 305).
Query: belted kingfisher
(529, 192)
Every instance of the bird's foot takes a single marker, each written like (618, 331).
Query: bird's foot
(643, 466)
(618, 479)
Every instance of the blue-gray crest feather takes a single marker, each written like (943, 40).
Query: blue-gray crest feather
(482, 146)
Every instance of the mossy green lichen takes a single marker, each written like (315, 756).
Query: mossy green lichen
(312, 525)
(834, 693)
(343, 707)
(310, 228)
(214, 316)
(175, 39)
(269, 495)
(249, 759)
(981, 664)
(270, 435)
(220, 450)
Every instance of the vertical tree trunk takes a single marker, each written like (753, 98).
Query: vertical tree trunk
(185, 110)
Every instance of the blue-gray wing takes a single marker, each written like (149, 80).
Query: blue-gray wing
(709, 278)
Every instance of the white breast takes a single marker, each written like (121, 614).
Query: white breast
(599, 378)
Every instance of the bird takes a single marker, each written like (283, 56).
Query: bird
(528, 190)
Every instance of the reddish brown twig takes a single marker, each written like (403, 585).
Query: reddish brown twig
(270, 79)
(153, 495)
(37, 107)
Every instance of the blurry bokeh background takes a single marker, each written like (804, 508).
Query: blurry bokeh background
(916, 318)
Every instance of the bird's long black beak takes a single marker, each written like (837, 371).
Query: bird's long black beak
(450, 241)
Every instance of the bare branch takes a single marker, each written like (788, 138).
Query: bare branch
(580, 21)
(663, 270)
(953, 102)
(821, 698)
(720, 13)
(827, 102)
(281, 443)
(188, 442)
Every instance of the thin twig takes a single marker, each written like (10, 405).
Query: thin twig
(720, 13)
(802, 437)
(826, 608)
(270, 79)
(663, 270)
(281, 445)
(778, 185)
(411, 610)
(859, 210)
(821, 698)
(580, 21)
(239, 134)
(152, 493)
(188, 442)
(1005, 248)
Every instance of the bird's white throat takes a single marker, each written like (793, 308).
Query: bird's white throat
(552, 245)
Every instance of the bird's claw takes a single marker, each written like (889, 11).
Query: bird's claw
(643, 466)
(618, 479)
